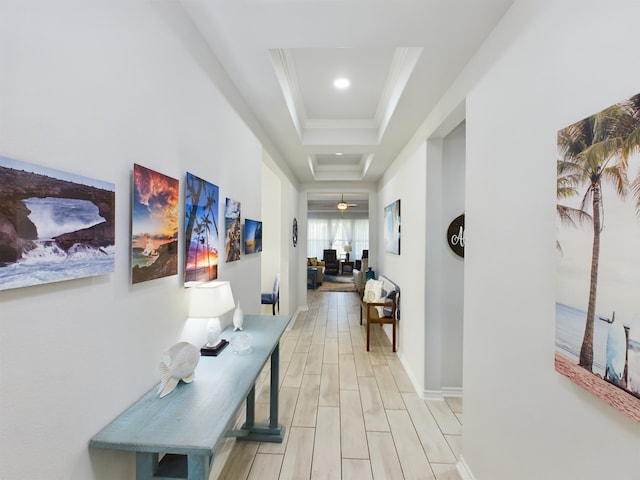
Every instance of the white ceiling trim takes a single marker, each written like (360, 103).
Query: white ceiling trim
(325, 131)
(337, 172)
(403, 63)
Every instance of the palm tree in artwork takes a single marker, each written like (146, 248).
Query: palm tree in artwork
(566, 187)
(593, 151)
(632, 145)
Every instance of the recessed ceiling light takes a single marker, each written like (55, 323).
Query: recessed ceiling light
(338, 153)
(341, 83)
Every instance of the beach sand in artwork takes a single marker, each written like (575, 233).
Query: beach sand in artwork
(614, 396)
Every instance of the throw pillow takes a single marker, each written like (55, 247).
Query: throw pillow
(387, 311)
(373, 291)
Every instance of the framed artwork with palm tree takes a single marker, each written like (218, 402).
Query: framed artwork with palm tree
(201, 230)
(598, 210)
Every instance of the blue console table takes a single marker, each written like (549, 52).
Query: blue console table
(186, 426)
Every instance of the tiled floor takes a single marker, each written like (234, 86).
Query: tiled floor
(350, 414)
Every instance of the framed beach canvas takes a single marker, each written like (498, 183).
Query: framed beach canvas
(201, 230)
(154, 225)
(54, 225)
(391, 225)
(233, 230)
(597, 341)
(252, 236)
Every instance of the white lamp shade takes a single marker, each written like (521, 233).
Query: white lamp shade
(211, 299)
(347, 248)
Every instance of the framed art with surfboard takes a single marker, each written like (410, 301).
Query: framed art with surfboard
(597, 343)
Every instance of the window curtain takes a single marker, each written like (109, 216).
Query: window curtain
(318, 237)
(335, 233)
(359, 237)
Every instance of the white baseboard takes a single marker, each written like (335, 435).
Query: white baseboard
(463, 469)
(443, 393)
(452, 392)
(432, 395)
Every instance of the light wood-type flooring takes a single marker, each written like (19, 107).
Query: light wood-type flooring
(349, 414)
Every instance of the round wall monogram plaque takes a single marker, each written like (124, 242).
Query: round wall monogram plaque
(455, 235)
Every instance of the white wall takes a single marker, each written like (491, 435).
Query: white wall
(271, 232)
(91, 88)
(564, 61)
(453, 170)
(407, 268)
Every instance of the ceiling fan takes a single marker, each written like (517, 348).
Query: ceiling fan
(342, 205)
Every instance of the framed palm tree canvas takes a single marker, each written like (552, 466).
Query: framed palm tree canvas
(598, 209)
(201, 211)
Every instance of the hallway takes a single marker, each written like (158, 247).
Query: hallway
(349, 413)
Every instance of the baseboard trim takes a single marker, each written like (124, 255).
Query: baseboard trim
(455, 392)
(432, 395)
(464, 470)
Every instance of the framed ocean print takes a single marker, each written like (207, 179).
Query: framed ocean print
(154, 225)
(252, 236)
(233, 230)
(391, 224)
(597, 342)
(201, 209)
(55, 225)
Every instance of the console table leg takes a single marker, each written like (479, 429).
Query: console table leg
(261, 432)
(275, 379)
(251, 409)
(198, 467)
(146, 465)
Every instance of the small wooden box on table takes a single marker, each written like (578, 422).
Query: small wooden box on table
(187, 425)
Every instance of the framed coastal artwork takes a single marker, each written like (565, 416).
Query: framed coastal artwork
(597, 341)
(233, 230)
(201, 230)
(55, 225)
(252, 236)
(154, 225)
(391, 225)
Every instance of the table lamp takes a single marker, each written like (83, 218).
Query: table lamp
(347, 249)
(211, 300)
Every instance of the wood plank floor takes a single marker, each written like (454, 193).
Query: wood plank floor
(349, 414)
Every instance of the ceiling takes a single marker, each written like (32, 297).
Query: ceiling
(282, 57)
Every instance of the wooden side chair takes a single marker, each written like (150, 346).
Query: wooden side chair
(389, 306)
(272, 298)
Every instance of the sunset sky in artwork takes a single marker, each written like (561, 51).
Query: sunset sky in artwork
(155, 207)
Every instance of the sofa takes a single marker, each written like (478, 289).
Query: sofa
(359, 275)
(313, 262)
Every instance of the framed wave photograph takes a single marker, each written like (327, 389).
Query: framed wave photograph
(252, 236)
(391, 224)
(154, 225)
(201, 230)
(55, 225)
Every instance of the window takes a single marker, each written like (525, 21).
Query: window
(323, 233)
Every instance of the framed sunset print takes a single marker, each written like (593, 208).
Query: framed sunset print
(154, 225)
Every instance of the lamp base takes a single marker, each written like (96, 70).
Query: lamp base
(215, 350)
